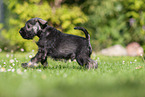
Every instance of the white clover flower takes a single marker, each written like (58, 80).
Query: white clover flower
(141, 54)
(135, 60)
(9, 69)
(12, 51)
(13, 64)
(0, 50)
(19, 71)
(16, 59)
(13, 70)
(0, 66)
(30, 56)
(11, 61)
(25, 70)
(22, 50)
(39, 70)
(32, 50)
(139, 67)
(4, 62)
(7, 55)
(12, 55)
(69, 61)
(2, 69)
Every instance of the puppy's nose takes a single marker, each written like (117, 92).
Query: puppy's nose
(20, 31)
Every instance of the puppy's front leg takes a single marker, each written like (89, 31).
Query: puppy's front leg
(44, 58)
(41, 56)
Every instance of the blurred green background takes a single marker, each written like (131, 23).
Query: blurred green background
(109, 22)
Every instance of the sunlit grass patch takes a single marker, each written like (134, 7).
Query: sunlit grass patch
(115, 77)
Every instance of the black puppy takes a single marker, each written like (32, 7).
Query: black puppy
(57, 44)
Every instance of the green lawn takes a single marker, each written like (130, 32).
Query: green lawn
(115, 77)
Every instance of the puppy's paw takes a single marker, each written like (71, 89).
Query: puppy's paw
(24, 65)
(29, 64)
(92, 64)
(32, 64)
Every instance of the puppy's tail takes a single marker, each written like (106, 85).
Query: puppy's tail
(87, 37)
(85, 31)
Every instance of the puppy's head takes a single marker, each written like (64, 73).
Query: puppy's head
(32, 27)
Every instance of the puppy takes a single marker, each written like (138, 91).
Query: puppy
(57, 45)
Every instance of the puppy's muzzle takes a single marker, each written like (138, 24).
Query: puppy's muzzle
(25, 34)
(22, 32)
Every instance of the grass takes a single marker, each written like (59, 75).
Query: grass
(115, 77)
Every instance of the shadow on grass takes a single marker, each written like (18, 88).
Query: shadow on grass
(61, 67)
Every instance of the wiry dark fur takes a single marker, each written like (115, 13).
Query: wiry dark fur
(57, 45)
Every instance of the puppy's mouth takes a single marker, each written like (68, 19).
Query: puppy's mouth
(25, 34)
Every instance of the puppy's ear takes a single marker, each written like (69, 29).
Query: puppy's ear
(43, 22)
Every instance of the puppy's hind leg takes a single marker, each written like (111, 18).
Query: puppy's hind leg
(87, 62)
(81, 60)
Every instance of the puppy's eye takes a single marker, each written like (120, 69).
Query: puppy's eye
(28, 26)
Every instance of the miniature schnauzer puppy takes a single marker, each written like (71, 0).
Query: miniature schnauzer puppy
(57, 45)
